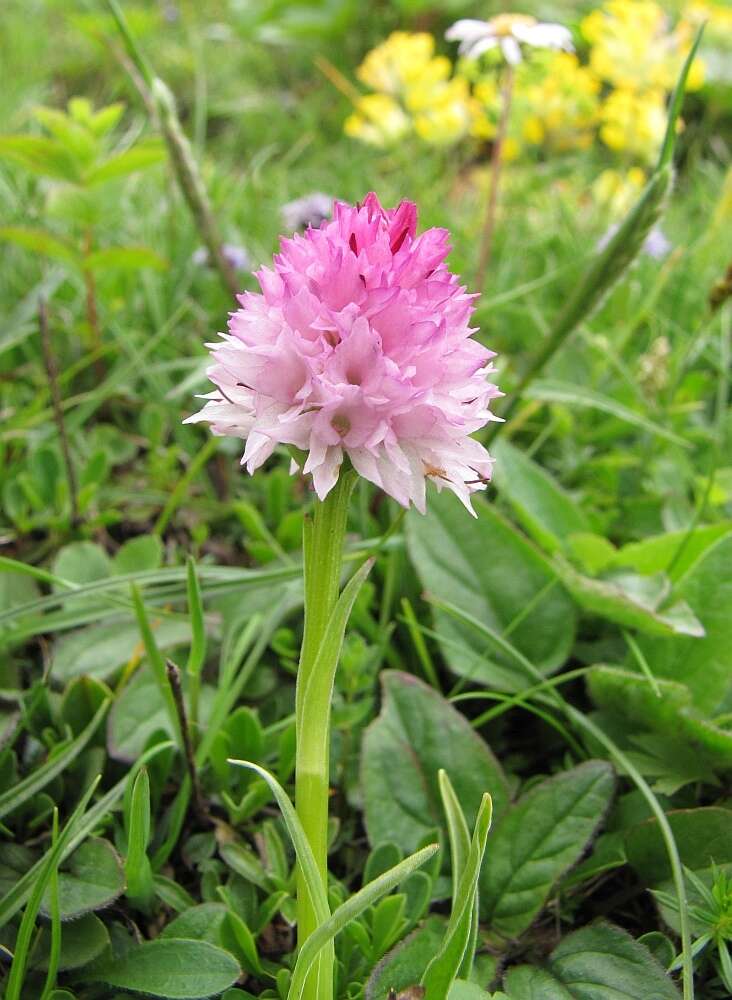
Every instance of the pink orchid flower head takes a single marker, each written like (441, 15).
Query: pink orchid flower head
(359, 347)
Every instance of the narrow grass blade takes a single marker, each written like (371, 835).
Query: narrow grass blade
(229, 692)
(459, 835)
(350, 910)
(50, 864)
(55, 950)
(677, 99)
(157, 663)
(443, 970)
(555, 391)
(30, 786)
(140, 888)
(197, 653)
(305, 857)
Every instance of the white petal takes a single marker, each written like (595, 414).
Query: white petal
(511, 50)
(473, 50)
(544, 35)
(467, 29)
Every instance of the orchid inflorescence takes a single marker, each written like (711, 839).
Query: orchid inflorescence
(359, 349)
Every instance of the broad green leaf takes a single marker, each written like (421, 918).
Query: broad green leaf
(42, 242)
(80, 702)
(73, 136)
(16, 589)
(170, 969)
(124, 259)
(103, 121)
(417, 733)
(593, 552)
(41, 155)
(555, 391)
(443, 970)
(603, 962)
(487, 568)
(527, 982)
(138, 712)
(547, 513)
(82, 941)
(630, 697)
(462, 990)
(404, 965)
(138, 554)
(91, 879)
(139, 157)
(82, 562)
(200, 923)
(703, 836)
(598, 962)
(543, 835)
(49, 770)
(654, 554)
(704, 840)
(350, 910)
(638, 602)
(705, 664)
(99, 650)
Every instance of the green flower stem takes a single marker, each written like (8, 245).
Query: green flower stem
(323, 552)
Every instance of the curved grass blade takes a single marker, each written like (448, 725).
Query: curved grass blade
(30, 786)
(55, 911)
(197, 653)
(348, 911)
(555, 391)
(157, 663)
(319, 689)
(459, 836)
(443, 970)
(305, 857)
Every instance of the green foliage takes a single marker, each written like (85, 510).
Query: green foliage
(599, 962)
(417, 734)
(542, 835)
(171, 969)
(486, 567)
(575, 635)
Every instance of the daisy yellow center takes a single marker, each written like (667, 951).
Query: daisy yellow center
(504, 25)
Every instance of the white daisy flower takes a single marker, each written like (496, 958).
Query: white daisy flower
(508, 32)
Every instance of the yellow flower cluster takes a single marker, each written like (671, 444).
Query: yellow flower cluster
(558, 104)
(636, 52)
(413, 92)
(634, 49)
(555, 105)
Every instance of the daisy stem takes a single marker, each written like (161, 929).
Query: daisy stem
(323, 551)
(489, 225)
